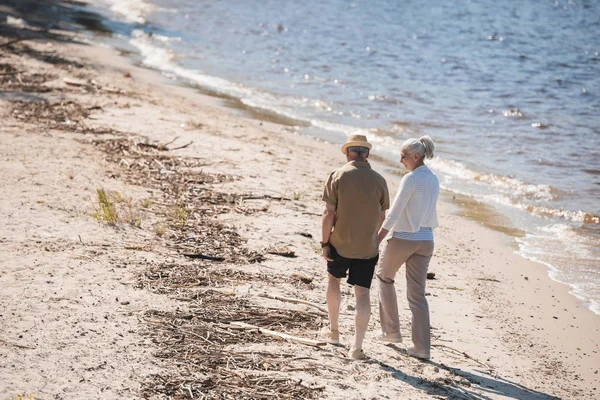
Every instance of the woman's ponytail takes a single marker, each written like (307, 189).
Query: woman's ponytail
(427, 145)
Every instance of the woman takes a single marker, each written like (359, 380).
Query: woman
(411, 220)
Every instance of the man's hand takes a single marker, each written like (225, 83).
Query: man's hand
(326, 252)
(326, 228)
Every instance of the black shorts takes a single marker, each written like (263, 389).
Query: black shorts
(361, 271)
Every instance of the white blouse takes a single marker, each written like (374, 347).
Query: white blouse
(415, 203)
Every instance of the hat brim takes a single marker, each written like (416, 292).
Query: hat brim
(358, 143)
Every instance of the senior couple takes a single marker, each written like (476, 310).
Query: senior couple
(354, 224)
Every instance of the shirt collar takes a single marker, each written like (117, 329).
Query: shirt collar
(360, 164)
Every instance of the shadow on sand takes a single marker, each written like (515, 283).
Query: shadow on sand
(467, 385)
(51, 19)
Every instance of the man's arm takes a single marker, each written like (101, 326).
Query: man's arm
(326, 227)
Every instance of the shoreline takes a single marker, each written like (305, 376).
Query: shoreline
(470, 296)
(492, 215)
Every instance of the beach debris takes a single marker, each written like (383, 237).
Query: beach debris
(488, 279)
(281, 251)
(20, 346)
(205, 344)
(199, 336)
(305, 234)
(16, 80)
(303, 278)
(292, 300)
(163, 146)
(265, 196)
(62, 115)
(431, 275)
(285, 336)
(463, 353)
(204, 257)
(75, 82)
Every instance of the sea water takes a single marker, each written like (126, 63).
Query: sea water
(509, 91)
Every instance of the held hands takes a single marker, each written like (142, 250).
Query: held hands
(326, 252)
(381, 235)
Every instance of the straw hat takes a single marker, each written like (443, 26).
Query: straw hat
(356, 140)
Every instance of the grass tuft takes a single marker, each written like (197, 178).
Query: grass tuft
(179, 215)
(160, 229)
(106, 211)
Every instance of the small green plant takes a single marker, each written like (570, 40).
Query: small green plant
(160, 229)
(133, 218)
(106, 211)
(117, 197)
(146, 202)
(179, 215)
(25, 396)
(132, 214)
(296, 195)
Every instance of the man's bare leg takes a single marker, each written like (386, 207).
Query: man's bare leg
(334, 299)
(363, 315)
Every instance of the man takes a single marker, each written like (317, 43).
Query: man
(356, 198)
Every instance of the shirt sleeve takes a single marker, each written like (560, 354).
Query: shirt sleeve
(385, 199)
(405, 191)
(330, 192)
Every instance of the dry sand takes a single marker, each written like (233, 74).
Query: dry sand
(94, 310)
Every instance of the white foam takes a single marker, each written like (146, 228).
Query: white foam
(558, 246)
(166, 39)
(490, 188)
(17, 22)
(131, 10)
(158, 57)
(154, 56)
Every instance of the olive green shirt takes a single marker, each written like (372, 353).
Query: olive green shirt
(359, 195)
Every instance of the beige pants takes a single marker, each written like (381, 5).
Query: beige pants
(416, 255)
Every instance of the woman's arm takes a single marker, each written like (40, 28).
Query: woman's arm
(405, 191)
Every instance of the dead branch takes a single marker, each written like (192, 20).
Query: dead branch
(285, 336)
(292, 300)
(203, 257)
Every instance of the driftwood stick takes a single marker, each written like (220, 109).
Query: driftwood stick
(203, 256)
(164, 146)
(266, 196)
(464, 354)
(311, 313)
(285, 336)
(181, 147)
(291, 300)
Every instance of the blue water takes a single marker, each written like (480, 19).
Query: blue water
(509, 91)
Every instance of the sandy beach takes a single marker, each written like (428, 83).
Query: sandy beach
(142, 222)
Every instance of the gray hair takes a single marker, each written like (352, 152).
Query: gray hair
(358, 149)
(422, 146)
